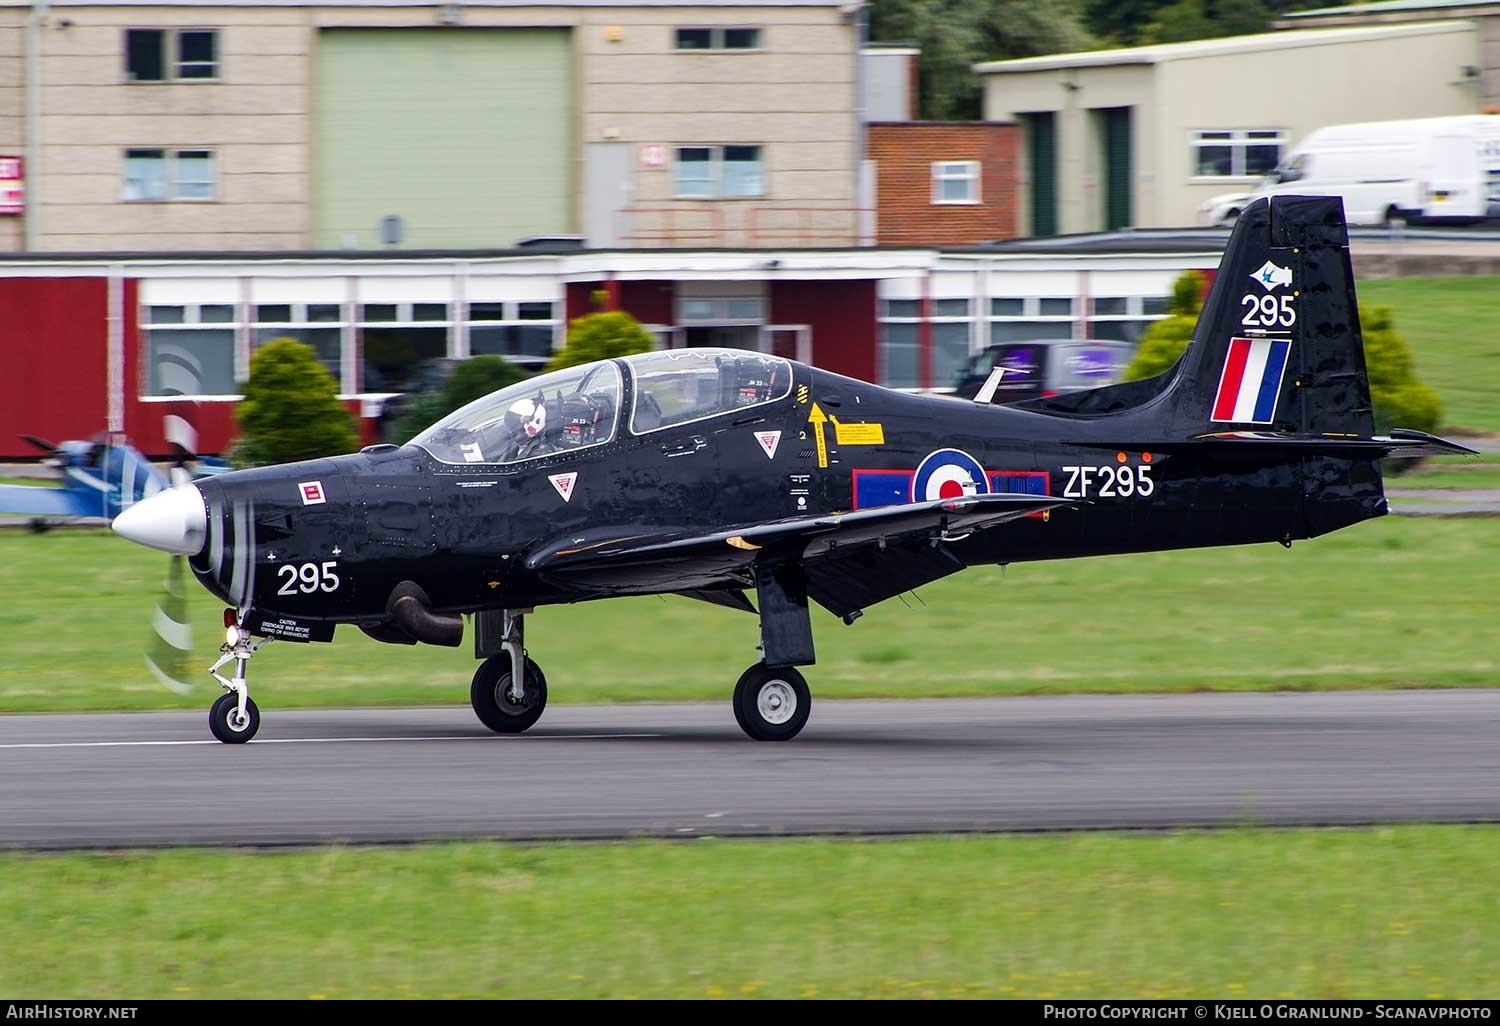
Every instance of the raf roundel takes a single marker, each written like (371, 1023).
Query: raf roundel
(948, 474)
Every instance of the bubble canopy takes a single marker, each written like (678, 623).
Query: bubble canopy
(552, 413)
(580, 407)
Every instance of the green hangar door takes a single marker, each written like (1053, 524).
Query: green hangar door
(465, 135)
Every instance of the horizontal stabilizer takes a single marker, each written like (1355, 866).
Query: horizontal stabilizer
(1401, 443)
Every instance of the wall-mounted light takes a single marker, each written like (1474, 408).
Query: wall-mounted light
(449, 14)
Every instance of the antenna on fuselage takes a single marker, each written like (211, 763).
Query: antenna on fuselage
(986, 391)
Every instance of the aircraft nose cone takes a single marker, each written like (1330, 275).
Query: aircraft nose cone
(175, 520)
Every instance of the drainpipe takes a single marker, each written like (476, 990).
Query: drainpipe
(34, 23)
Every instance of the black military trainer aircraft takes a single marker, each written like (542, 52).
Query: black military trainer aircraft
(716, 473)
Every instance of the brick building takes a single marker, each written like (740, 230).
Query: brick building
(944, 183)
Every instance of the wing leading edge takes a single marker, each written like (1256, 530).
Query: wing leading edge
(43, 500)
(852, 559)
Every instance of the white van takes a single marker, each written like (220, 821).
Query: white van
(1427, 170)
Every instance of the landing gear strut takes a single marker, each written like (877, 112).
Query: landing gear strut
(771, 700)
(509, 691)
(234, 718)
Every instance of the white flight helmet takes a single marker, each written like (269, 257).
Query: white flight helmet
(527, 415)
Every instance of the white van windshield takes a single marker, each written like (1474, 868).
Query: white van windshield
(542, 416)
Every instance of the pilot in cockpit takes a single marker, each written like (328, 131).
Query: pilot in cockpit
(525, 427)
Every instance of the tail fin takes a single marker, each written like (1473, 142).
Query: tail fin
(1278, 345)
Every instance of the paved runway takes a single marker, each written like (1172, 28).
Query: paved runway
(682, 770)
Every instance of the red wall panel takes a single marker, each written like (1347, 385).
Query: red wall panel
(842, 317)
(650, 302)
(53, 343)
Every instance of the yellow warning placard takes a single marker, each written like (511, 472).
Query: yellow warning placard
(858, 434)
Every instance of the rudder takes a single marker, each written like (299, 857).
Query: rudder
(1278, 346)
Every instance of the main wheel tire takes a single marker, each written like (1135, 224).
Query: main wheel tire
(772, 703)
(495, 705)
(224, 720)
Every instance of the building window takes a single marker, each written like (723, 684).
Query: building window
(296, 321)
(1125, 318)
(524, 333)
(161, 55)
(718, 39)
(1023, 319)
(955, 181)
(1236, 154)
(160, 175)
(900, 326)
(718, 172)
(190, 349)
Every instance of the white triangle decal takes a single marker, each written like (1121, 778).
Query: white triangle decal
(769, 440)
(564, 485)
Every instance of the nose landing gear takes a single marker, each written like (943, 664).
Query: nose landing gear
(509, 691)
(234, 718)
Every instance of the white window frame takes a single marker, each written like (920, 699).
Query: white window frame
(171, 175)
(944, 171)
(192, 320)
(1031, 313)
(1237, 142)
(716, 171)
(510, 317)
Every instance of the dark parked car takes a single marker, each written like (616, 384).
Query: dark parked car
(1045, 367)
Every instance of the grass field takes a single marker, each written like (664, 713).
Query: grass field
(1395, 602)
(1453, 325)
(1453, 472)
(1388, 912)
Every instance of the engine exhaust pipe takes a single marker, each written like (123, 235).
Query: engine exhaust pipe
(410, 607)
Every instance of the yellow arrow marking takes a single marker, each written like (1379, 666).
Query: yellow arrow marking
(817, 418)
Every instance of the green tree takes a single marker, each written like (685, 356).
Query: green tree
(601, 336)
(1183, 20)
(291, 409)
(1137, 22)
(1165, 340)
(1400, 398)
(472, 379)
(954, 35)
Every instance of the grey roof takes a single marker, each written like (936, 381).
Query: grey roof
(1390, 7)
(1164, 52)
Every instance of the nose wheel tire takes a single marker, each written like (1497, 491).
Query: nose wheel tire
(494, 700)
(772, 703)
(226, 723)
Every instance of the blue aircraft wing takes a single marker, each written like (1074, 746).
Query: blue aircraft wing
(39, 500)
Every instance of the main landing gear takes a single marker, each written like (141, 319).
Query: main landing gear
(234, 718)
(509, 691)
(772, 703)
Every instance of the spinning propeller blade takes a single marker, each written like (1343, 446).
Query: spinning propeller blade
(169, 656)
(40, 443)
